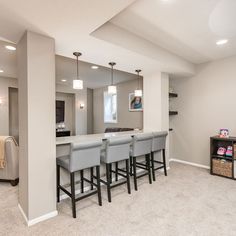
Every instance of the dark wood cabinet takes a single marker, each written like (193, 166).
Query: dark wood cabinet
(63, 133)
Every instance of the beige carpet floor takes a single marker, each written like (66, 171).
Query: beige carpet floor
(188, 202)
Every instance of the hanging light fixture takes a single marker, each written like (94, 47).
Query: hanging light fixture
(77, 83)
(112, 88)
(138, 92)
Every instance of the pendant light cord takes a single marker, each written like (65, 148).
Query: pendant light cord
(138, 71)
(138, 80)
(77, 67)
(111, 74)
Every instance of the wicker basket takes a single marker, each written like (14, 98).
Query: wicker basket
(222, 167)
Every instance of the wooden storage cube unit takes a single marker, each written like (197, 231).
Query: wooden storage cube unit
(234, 151)
(222, 167)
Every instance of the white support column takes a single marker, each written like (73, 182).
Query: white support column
(37, 154)
(156, 104)
(152, 102)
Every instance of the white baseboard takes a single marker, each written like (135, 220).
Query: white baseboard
(38, 219)
(23, 213)
(189, 163)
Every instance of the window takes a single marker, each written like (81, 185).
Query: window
(110, 108)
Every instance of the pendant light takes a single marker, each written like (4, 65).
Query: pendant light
(138, 92)
(77, 83)
(112, 88)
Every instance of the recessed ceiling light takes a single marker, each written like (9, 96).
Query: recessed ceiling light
(9, 47)
(222, 41)
(94, 67)
(1, 71)
(63, 80)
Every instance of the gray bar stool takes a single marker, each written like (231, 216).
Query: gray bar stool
(82, 156)
(158, 145)
(141, 145)
(117, 149)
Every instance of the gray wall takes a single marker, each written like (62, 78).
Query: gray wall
(89, 111)
(126, 118)
(69, 99)
(206, 103)
(5, 83)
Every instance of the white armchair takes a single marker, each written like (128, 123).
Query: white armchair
(10, 173)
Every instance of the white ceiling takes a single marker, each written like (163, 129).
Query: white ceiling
(7, 60)
(166, 35)
(188, 28)
(71, 24)
(66, 69)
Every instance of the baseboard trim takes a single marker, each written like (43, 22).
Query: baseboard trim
(189, 163)
(38, 219)
(23, 213)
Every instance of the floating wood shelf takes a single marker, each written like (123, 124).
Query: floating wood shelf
(172, 113)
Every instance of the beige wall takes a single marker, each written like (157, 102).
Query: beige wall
(206, 103)
(89, 111)
(126, 119)
(37, 152)
(69, 100)
(5, 83)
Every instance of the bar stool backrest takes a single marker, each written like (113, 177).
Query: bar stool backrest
(159, 141)
(142, 144)
(85, 155)
(117, 149)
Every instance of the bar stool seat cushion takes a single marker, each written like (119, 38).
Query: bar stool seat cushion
(64, 161)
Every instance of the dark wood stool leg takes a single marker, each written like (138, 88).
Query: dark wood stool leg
(146, 159)
(14, 182)
(72, 184)
(127, 176)
(116, 171)
(135, 175)
(91, 177)
(58, 183)
(153, 166)
(108, 176)
(164, 160)
(98, 185)
(149, 169)
(110, 166)
(82, 181)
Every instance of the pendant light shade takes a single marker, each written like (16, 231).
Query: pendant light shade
(112, 88)
(77, 83)
(138, 92)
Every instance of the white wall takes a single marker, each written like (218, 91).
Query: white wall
(5, 83)
(206, 103)
(156, 104)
